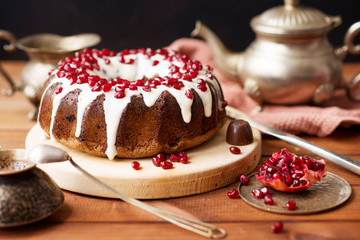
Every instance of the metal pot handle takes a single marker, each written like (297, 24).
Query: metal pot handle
(349, 46)
(10, 48)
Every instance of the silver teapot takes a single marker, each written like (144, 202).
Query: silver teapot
(291, 60)
(44, 51)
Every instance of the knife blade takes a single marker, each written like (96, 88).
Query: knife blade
(335, 157)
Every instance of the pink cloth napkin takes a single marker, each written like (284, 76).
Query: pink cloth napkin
(320, 121)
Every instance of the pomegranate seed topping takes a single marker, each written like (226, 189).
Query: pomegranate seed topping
(224, 104)
(107, 61)
(68, 68)
(233, 194)
(156, 62)
(235, 150)
(245, 179)
(60, 74)
(135, 165)
(105, 52)
(209, 68)
(162, 156)
(277, 227)
(119, 94)
(202, 87)
(96, 88)
(132, 87)
(139, 82)
(177, 75)
(102, 81)
(257, 193)
(291, 205)
(184, 159)
(125, 52)
(107, 87)
(210, 76)
(59, 90)
(187, 77)
(156, 161)
(177, 86)
(129, 61)
(147, 88)
(189, 94)
(94, 77)
(166, 165)
(174, 158)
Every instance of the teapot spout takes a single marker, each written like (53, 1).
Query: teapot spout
(227, 62)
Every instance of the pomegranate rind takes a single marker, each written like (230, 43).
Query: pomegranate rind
(277, 181)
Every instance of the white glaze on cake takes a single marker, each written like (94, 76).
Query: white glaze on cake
(132, 65)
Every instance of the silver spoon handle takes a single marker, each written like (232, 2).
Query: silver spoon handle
(204, 229)
(337, 158)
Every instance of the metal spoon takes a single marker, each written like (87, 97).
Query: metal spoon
(49, 154)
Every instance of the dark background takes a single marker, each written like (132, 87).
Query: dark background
(156, 23)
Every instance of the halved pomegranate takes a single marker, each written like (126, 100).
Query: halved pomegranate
(287, 172)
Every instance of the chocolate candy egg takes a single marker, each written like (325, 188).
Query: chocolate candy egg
(239, 133)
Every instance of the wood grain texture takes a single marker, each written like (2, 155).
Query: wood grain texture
(84, 217)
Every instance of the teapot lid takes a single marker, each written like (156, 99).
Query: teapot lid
(293, 19)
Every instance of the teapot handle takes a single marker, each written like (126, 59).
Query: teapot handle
(349, 46)
(10, 48)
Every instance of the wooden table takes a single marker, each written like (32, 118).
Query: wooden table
(84, 217)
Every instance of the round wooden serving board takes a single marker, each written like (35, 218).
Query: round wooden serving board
(211, 166)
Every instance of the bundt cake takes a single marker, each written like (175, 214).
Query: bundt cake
(131, 104)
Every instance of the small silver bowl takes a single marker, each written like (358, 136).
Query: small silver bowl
(27, 194)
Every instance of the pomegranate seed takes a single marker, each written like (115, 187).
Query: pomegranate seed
(189, 94)
(135, 165)
(156, 62)
(210, 76)
(257, 193)
(132, 87)
(184, 159)
(107, 87)
(235, 150)
(59, 90)
(147, 88)
(291, 205)
(182, 153)
(233, 194)
(162, 156)
(96, 88)
(60, 74)
(277, 227)
(245, 179)
(139, 82)
(174, 158)
(224, 104)
(265, 191)
(129, 61)
(68, 68)
(105, 52)
(268, 200)
(156, 161)
(119, 94)
(166, 165)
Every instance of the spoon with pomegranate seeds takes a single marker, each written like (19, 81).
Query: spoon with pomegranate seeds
(49, 154)
(337, 158)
